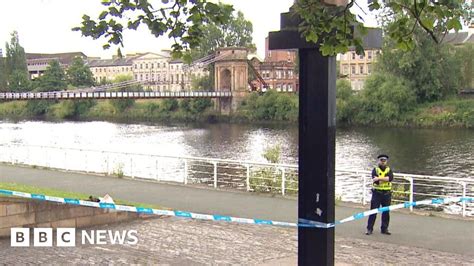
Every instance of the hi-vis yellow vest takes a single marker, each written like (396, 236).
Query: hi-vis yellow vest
(382, 185)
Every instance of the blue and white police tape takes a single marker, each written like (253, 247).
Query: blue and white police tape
(209, 217)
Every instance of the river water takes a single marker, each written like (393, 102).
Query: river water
(441, 152)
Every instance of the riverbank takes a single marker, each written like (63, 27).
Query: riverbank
(271, 108)
(450, 113)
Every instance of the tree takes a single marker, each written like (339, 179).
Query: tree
(328, 23)
(119, 53)
(431, 71)
(16, 70)
(465, 56)
(79, 74)
(53, 78)
(237, 32)
(3, 76)
(181, 20)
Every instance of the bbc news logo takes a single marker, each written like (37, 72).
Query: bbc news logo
(66, 237)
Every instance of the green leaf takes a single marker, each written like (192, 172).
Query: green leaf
(103, 14)
(454, 24)
(428, 22)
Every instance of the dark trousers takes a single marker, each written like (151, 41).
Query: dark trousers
(383, 198)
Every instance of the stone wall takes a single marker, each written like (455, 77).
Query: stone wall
(15, 212)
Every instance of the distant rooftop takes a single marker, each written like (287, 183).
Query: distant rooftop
(64, 58)
(458, 38)
(127, 61)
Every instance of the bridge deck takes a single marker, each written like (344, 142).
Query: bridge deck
(64, 95)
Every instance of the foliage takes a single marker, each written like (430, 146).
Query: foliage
(465, 55)
(18, 81)
(343, 89)
(432, 70)
(269, 179)
(273, 154)
(236, 32)
(71, 108)
(168, 105)
(181, 20)
(271, 105)
(16, 71)
(195, 106)
(79, 74)
(203, 83)
(334, 27)
(3, 76)
(385, 98)
(53, 79)
(38, 107)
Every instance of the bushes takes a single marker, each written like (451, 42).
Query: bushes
(385, 100)
(270, 106)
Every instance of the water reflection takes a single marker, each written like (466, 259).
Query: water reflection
(443, 152)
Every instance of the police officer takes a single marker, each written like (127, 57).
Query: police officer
(382, 177)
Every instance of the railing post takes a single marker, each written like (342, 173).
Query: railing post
(85, 160)
(248, 177)
(215, 174)
(185, 172)
(464, 188)
(364, 181)
(411, 192)
(283, 179)
(107, 159)
(131, 166)
(65, 160)
(157, 176)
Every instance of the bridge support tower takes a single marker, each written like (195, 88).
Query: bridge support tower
(231, 74)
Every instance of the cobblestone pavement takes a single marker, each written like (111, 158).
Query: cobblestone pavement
(189, 242)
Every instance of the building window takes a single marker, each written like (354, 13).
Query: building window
(361, 69)
(152, 65)
(177, 78)
(136, 66)
(171, 78)
(146, 77)
(369, 68)
(353, 56)
(136, 77)
(361, 56)
(146, 66)
(141, 66)
(159, 77)
(345, 69)
(141, 76)
(369, 54)
(353, 70)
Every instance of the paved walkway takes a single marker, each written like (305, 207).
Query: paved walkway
(173, 241)
(431, 233)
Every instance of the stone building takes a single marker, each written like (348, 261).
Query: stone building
(278, 69)
(108, 69)
(356, 68)
(38, 62)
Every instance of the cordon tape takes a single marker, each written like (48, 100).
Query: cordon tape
(209, 217)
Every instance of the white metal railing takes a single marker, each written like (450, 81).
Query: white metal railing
(111, 95)
(351, 185)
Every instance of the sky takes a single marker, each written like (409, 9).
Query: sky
(44, 26)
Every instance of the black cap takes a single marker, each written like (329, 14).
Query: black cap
(382, 156)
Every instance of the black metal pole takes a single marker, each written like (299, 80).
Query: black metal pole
(317, 128)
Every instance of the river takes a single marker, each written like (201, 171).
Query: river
(441, 152)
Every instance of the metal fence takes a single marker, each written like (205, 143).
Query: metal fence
(351, 185)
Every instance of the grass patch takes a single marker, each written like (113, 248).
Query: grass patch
(67, 194)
